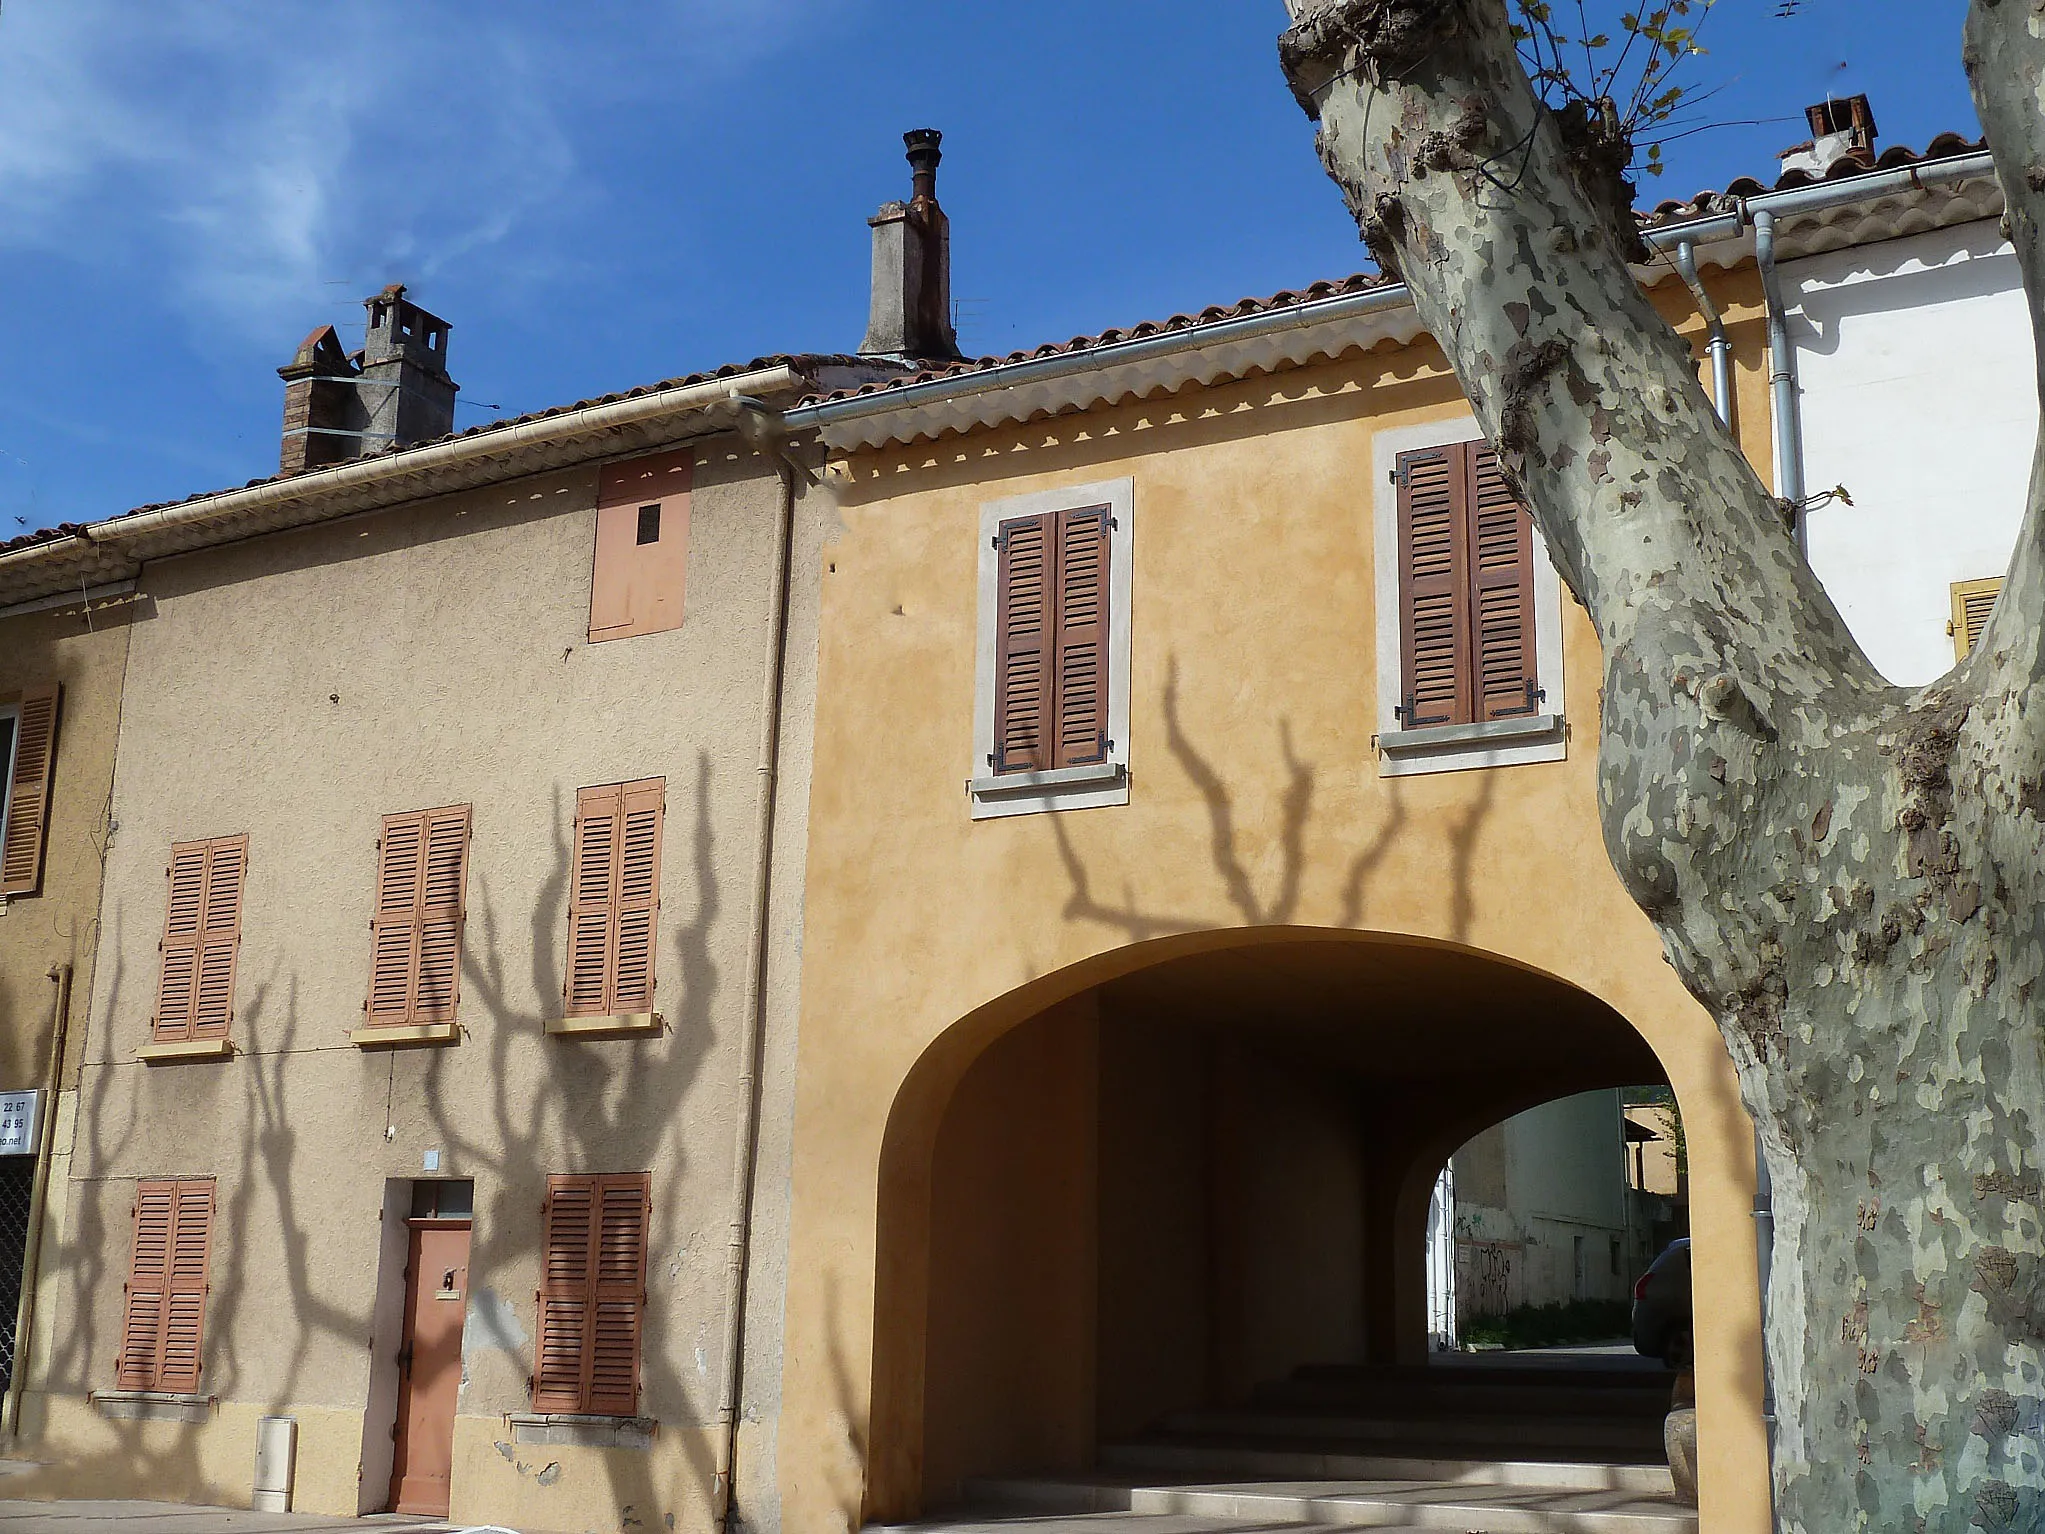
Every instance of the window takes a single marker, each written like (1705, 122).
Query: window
(1468, 610)
(201, 936)
(1973, 601)
(28, 741)
(614, 900)
(1052, 709)
(642, 546)
(416, 928)
(592, 1294)
(165, 1316)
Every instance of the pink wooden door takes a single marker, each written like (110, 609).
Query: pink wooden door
(430, 1367)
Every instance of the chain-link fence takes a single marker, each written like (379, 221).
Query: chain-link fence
(17, 1187)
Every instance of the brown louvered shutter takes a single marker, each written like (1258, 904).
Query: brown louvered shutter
(148, 1282)
(164, 1322)
(1080, 694)
(394, 924)
(219, 937)
(28, 806)
(421, 878)
(618, 1295)
(177, 982)
(565, 1266)
(1433, 589)
(1501, 591)
(638, 896)
(1023, 625)
(592, 880)
(184, 1321)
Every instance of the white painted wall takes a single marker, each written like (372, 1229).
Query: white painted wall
(1915, 361)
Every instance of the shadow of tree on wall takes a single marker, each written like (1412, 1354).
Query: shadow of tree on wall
(594, 1106)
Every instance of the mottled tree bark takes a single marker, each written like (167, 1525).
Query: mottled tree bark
(1846, 873)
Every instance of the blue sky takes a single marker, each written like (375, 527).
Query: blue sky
(609, 193)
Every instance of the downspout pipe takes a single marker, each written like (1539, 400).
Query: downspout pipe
(1785, 416)
(763, 427)
(1716, 345)
(46, 1143)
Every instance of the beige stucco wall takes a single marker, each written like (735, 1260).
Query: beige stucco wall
(86, 654)
(296, 688)
(1253, 670)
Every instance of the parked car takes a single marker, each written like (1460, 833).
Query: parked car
(1661, 1307)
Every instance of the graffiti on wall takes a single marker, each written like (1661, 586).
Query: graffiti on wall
(1487, 1277)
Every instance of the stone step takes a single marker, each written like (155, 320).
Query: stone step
(1625, 1435)
(1425, 1391)
(1558, 1471)
(1468, 1507)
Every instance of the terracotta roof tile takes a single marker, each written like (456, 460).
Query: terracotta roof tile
(1675, 210)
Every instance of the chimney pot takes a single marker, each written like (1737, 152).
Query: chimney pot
(392, 393)
(910, 315)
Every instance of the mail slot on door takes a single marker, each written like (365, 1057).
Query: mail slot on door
(450, 1286)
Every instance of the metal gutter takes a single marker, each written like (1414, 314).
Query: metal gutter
(1030, 370)
(1716, 345)
(1820, 196)
(394, 470)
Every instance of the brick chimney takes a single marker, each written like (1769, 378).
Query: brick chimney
(911, 311)
(392, 393)
(1842, 128)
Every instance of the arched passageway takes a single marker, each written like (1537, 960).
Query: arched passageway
(1171, 1187)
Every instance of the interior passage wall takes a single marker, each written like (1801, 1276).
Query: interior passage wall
(1011, 1373)
(1916, 368)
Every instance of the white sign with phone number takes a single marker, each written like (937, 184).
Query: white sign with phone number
(20, 1116)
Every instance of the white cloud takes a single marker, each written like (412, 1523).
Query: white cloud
(263, 161)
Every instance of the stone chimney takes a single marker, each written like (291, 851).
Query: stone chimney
(392, 393)
(1841, 129)
(911, 312)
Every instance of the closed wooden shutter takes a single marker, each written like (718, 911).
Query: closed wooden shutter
(163, 1325)
(201, 937)
(1973, 601)
(614, 899)
(28, 804)
(592, 1295)
(1502, 591)
(1051, 677)
(1080, 700)
(1433, 587)
(1466, 590)
(416, 927)
(1023, 632)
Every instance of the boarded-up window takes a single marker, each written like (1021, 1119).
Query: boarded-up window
(592, 1294)
(28, 750)
(614, 899)
(1051, 658)
(201, 936)
(642, 546)
(164, 1320)
(1973, 601)
(422, 866)
(1466, 590)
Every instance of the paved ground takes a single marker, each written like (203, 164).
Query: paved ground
(179, 1518)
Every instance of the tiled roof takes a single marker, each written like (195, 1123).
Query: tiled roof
(1673, 210)
(1945, 146)
(1358, 282)
(814, 365)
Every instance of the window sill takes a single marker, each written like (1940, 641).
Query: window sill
(574, 1430)
(1058, 788)
(185, 1049)
(406, 1035)
(623, 1025)
(1456, 747)
(152, 1406)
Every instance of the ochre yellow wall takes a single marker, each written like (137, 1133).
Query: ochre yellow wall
(928, 934)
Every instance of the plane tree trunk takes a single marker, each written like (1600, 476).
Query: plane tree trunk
(1846, 873)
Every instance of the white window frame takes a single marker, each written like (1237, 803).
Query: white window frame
(1542, 737)
(995, 795)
